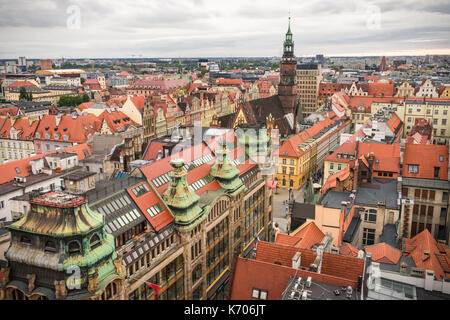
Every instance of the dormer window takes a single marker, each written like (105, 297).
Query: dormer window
(50, 246)
(74, 247)
(413, 168)
(95, 241)
(25, 240)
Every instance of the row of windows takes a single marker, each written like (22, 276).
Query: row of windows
(253, 199)
(19, 145)
(212, 275)
(425, 194)
(215, 233)
(196, 249)
(253, 231)
(214, 253)
(72, 247)
(436, 111)
(173, 292)
(145, 260)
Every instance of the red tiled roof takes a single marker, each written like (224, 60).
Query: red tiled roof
(24, 127)
(19, 84)
(78, 128)
(223, 81)
(332, 264)
(8, 170)
(332, 180)
(388, 155)
(291, 147)
(427, 157)
(93, 84)
(348, 250)
(250, 274)
(85, 105)
(152, 151)
(139, 102)
(384, 253)
(385, 89)
(124, 73)
(148, 200)
(11, 111)
(307, 236)
(436, 260)
(117, 121)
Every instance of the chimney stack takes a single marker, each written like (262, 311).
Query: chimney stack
(296, 260)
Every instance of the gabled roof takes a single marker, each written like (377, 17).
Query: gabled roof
(428, 254)
(332, 179)
(304, 238)
(387, 156)
(19, 84)
(348, 250)
(77, 128)
(116, 120)
(384, 253)
(292, 146)
(24, 127)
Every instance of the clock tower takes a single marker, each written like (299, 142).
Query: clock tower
(287, 89)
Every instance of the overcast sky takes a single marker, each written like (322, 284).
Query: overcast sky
(231, 28)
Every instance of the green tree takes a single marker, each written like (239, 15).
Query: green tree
(24, 95)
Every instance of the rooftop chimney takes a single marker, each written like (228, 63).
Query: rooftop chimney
(296, 260)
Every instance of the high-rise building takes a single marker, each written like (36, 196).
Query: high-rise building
(309, 76)
(287, 89)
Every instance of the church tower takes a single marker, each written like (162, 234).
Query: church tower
(287, 89)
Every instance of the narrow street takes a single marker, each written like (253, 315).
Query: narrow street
(279, 209)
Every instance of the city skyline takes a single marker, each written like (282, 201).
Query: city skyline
(198, 28)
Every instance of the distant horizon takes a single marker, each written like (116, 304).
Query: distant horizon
(226, 57)
(200, 28)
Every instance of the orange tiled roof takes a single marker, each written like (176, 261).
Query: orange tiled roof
(85, 105)
(348, 250)
(8, 170)
(438, 256)
(308, 236)
(78, 128)
(148, 200)
(385, 89)
(24, 127)
(247, 276)
(349, 268)
(427, 157)
(332, 180)
(291, 147)
(20, 83)
(223, 81)
(11, 111)
(384, 253)
(388, 155)
(116, 120)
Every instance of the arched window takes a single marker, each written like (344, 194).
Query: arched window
(16, 294)
(95, 241)
(74, 247)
